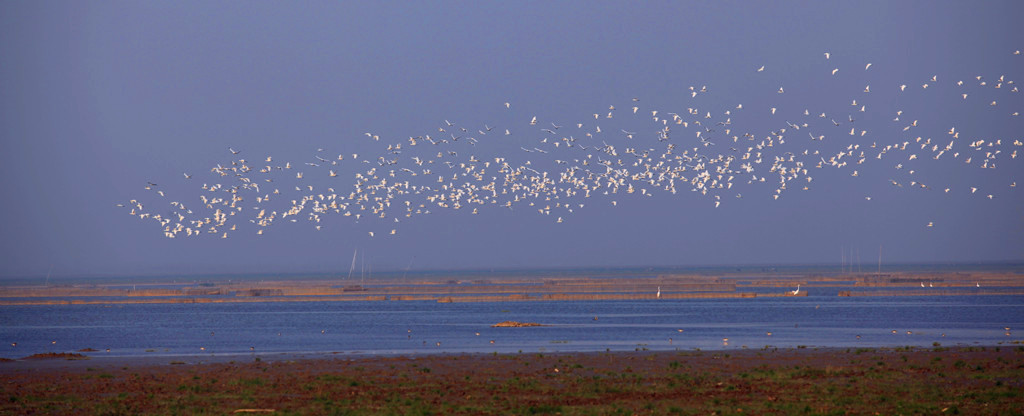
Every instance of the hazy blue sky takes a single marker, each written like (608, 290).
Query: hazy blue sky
(99, 98)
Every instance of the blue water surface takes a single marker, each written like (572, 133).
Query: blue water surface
(423, 327)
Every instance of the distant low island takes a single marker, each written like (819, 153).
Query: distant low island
(514, 324)
(534, 288)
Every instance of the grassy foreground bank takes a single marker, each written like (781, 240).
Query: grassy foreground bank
(973, 380)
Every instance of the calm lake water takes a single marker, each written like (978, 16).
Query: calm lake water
(416, 327)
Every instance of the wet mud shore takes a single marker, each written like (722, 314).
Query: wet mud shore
(537, 288)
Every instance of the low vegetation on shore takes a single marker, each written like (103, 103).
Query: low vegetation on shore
(768, 381)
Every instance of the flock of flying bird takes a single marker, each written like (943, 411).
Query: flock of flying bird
(556, 168)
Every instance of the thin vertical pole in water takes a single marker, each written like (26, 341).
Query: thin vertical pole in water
(842, 259)
(353, 266)
(407, 267)
(879, 259)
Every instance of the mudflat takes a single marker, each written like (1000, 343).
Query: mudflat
(959, 380)
(513, 288)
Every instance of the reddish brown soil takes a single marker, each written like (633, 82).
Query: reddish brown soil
(868, 381)
(56, 355)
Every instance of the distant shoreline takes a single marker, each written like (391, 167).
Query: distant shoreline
(505, 272)
(448, 289)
